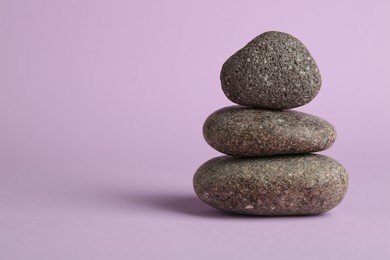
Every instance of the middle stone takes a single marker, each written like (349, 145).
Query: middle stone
(245, 131)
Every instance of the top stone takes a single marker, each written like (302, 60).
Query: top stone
(274, 70)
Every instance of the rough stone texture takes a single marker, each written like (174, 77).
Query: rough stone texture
(244, 131)
(274, 70)
(278, 185)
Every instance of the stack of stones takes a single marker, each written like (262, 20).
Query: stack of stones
(269, 168)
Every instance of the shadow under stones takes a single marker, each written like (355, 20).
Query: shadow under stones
(185, 204)
(176, 203)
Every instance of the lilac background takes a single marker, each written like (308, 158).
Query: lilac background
(101, 109)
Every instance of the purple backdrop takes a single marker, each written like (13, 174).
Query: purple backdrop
(101, 109)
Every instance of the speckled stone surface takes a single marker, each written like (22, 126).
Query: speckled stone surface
(274, 70)
(244, 131)
(278, 185)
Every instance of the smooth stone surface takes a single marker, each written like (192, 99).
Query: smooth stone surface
(274, 70)
(244, 131)
(278, 185)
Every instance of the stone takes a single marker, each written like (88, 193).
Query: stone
(245, 131)
(274, 70)
(276, 185)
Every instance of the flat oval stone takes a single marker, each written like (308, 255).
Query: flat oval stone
(277, 185)
(244, 131)
(274, 70)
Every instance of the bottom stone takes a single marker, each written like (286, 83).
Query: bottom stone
(276, 185)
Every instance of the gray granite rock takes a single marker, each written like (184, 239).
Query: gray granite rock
(274, 70)
(244, 131)
(277, 185)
